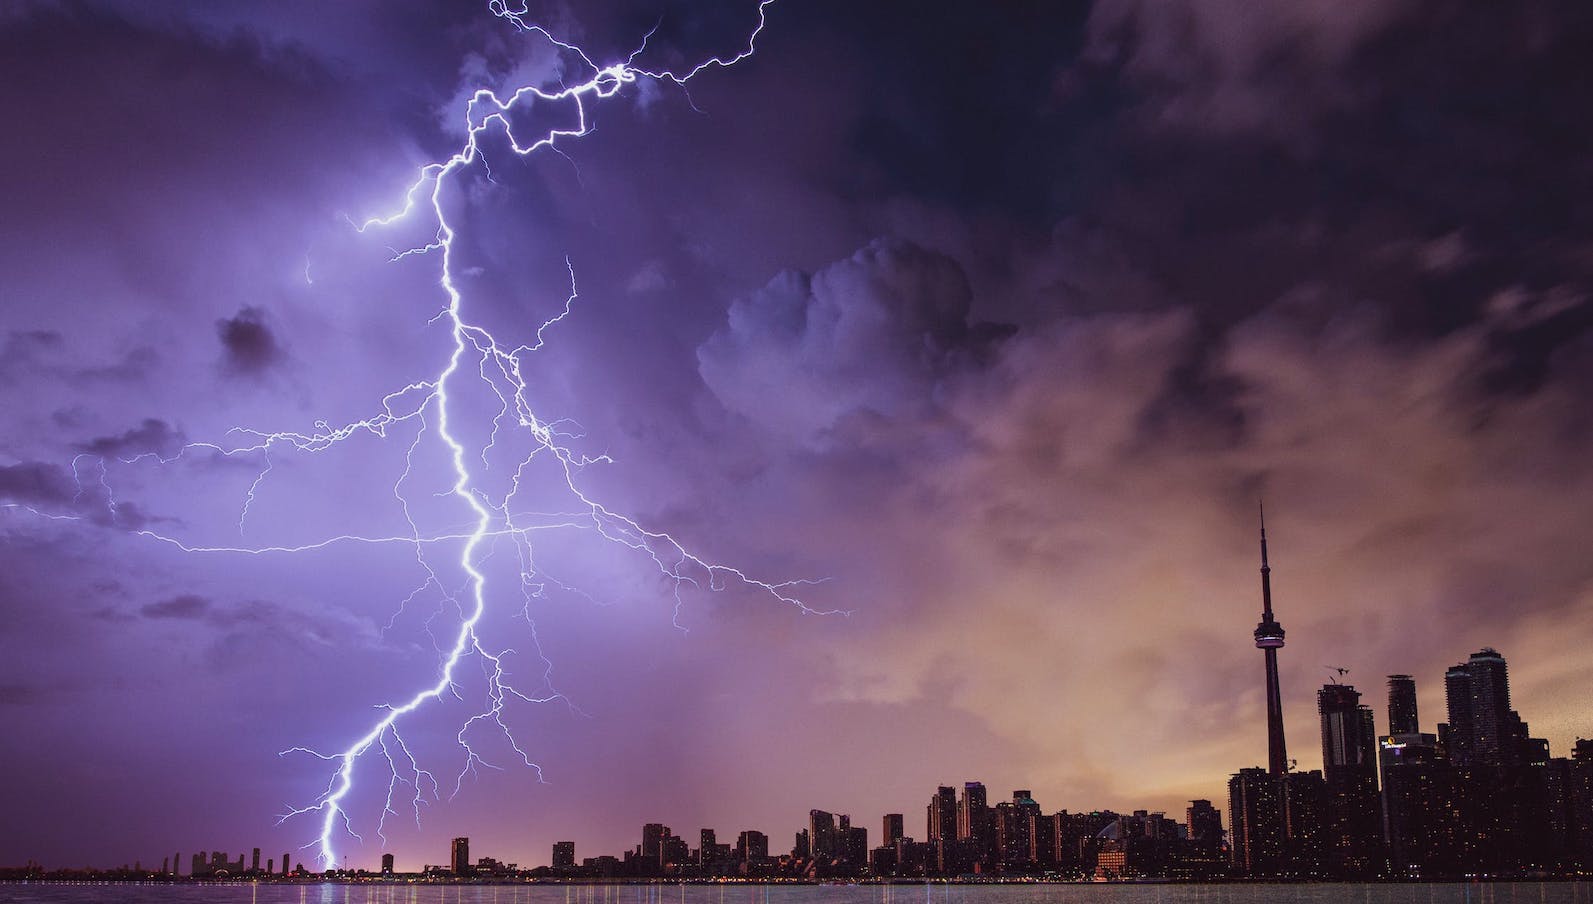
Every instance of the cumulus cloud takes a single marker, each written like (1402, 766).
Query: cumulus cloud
(867, 337)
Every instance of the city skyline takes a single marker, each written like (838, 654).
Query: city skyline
(983, 330)
(1350, 744)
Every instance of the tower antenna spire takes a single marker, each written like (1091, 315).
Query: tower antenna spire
(1266, 572)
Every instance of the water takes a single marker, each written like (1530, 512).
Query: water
(1500, 893)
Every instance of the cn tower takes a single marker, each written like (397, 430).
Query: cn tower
(1269, 637)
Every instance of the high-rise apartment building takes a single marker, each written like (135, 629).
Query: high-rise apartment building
(942, 814)
(1416, 785)
(1255, 813)
(1483, 731)
(894, 829)
(1353, 824)
(823, 835)
(752, 846)
(976, 824)
(708, 843)
(653, 836)
(1402, 705)
(1205, 824)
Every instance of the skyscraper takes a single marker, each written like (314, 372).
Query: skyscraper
(459, 857)
(708, 841)
(823, 835)
(1269, 638)
(1353, 825)
(1490, 707)
(1205, 824)
(563, 854)
(942, 814)
(1456, 734)
(1402, 705)
(1014, 825)
(970, 810)
(893, 828)
(976, 825)
(1483, 730)
(1416, 786)
(653, 835)
(752, 845)
(1255, 811)
(387, 864)
(1349, 741)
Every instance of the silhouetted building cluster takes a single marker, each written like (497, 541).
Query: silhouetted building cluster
(1481, 797)
(965, 835)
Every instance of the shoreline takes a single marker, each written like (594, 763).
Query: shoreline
(619, 882)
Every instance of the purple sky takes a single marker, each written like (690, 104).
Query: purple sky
(1001, 321)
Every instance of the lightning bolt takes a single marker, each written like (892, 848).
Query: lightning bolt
(428, 406)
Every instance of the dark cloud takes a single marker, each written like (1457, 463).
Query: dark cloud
(249, 347)
(28, 350)
(36, 483)
(28, 355)
(186, 607)
(1273, 66)
(153, 436)
(111, 615)
(27, 343)
(258, 617)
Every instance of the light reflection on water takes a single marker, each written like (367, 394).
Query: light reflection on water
(1501, 893)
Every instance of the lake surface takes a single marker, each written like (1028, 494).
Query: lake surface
(1502, 893)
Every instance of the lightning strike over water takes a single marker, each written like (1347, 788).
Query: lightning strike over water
(429, 405)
